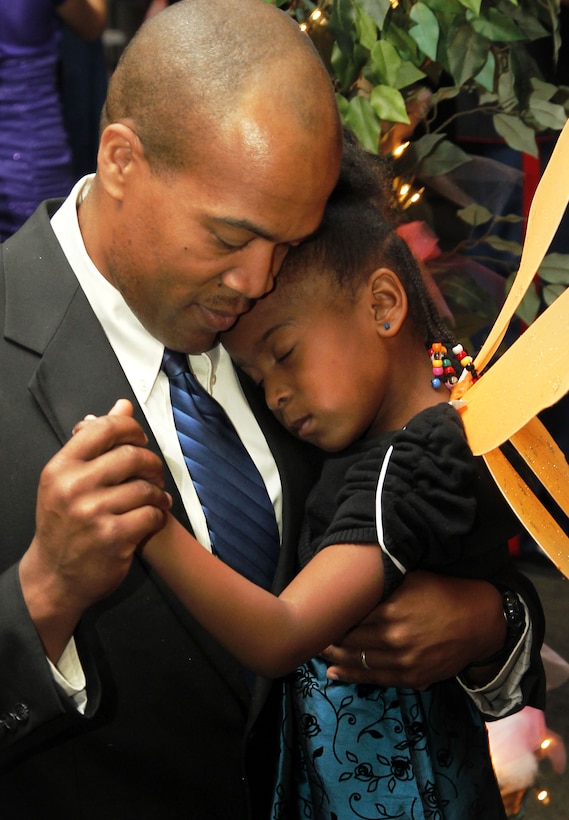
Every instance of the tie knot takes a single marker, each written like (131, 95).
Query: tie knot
(174, 363)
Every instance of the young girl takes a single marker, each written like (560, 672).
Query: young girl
(347, 350)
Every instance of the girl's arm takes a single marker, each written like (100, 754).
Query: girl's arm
(270, 635)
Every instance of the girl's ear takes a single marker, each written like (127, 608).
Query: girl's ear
(388, 301)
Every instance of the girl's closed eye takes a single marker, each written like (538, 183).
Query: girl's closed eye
(283, 345)
(282, 355)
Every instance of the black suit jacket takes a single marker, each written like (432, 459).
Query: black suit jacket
(170, 730)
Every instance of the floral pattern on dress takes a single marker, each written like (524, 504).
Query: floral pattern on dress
(373, 753)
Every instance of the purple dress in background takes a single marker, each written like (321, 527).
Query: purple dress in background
(35, 159)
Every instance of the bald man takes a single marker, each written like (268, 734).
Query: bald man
(113, 702)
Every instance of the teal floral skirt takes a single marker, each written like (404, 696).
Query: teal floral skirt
(350, 751)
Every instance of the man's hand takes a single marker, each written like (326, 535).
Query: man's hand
(98, 498)
(430, 629)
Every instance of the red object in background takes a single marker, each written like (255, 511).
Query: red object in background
(531, 168)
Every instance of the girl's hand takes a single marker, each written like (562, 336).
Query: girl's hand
(122, 407)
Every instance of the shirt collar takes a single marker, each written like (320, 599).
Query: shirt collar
(139, 353)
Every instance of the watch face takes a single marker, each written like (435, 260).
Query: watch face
(513, 612)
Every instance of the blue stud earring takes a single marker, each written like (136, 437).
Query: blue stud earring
(386, 325)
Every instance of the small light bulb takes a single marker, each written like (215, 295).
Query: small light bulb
(400, 149)
(316, 14)
(543, 796)
(545, 744)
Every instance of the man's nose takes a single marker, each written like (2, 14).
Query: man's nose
(258, 266)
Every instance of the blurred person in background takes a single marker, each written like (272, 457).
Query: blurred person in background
(35, 157)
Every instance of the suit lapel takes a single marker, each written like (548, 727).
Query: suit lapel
(78, 373)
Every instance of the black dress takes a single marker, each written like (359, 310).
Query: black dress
(367, 752)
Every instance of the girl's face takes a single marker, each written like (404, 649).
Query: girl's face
(320, 360)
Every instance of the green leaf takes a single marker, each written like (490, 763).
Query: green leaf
(527, 20)
(486, 77)
(529, 306)
(500, 244)
(343, 105)
(342, 25)
(547, 114)
(346, 67)
(466, 294)
(405, 45)
(445, 157)
(543, 90)
(467, 54)
(360, 117)
(475, 214)
(446, 7)
(446, 93)
(555, 269)
(496, 27)
(425, 32)
(377, 10)
(473, 5)
(487, 98)
(516, 133)
(424, 146)
(513, 219)
(388, 104)
(366, 29)
(384, 65)
(408, 74)
(551, 292)
(507, 92)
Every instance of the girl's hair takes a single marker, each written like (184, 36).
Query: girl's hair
(357, 236)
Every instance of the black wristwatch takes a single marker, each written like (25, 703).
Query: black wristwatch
(515, 616)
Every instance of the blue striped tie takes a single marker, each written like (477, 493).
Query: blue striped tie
(239, 513)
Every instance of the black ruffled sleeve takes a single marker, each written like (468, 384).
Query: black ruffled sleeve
(426, 495)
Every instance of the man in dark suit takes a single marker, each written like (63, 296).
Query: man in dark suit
(113, 702)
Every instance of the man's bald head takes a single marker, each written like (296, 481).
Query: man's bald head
(221, 143)
(201, 64)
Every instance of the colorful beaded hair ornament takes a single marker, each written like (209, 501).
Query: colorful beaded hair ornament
(443, 370)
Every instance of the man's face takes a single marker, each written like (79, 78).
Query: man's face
(190, 250)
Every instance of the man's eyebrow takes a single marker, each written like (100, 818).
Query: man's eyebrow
(251, 227)
(242, 224)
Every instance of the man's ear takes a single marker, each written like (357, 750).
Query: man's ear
(388, 301)
(119, 149)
